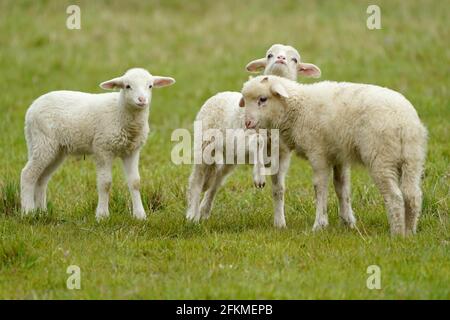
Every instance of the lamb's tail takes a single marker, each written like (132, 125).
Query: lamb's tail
(414, 141)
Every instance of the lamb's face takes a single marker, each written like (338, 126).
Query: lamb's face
(282, 61)
(136, 86)
(262, 101)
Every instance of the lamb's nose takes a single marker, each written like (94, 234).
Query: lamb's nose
(281, 57)
(248, 124)
(141, 99)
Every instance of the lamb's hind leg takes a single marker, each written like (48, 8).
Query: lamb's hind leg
(40, 192)
(320, 179)
(195, 188)
(386, 179)
(104, 182)
(342, 186)
(213, 187)
(412, 194)
(42, 156)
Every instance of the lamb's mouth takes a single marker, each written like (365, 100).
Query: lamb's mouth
(279, 69)
(253, 127)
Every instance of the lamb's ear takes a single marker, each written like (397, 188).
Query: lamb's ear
(112, 84)
(278, 89)
(159, 82)
(309, 70)
(242, 102)
(256, 65)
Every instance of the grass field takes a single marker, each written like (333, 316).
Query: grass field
(237, 253)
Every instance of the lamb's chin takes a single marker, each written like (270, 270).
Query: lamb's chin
(279, 69)
(140, 107)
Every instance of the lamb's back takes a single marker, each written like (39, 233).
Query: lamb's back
(70, 118)
(222, 111)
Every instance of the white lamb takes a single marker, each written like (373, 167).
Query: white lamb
(334, 124)
(222, 112)
(106, 125)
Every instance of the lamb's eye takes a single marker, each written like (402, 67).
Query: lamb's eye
(269, 56)
(127, 86)
(261, 100)
(150, 86)
(295, 60)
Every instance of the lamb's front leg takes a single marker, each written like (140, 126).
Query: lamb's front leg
(257, 144)
(278, 189)
(258, 177)
(131, 169)
(321, 172)
(104, 181)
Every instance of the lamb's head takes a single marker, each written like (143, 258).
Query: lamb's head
(263, 99)
(136, 86)
(283, 61)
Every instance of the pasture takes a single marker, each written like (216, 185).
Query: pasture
(236, 254)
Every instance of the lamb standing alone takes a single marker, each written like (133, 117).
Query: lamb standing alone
(333, 124)
(222, 112)
(106, 125)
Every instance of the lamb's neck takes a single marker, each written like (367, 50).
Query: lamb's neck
(287, 75)
(292, 117)
(130, 116)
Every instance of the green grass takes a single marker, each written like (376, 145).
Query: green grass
(237, 253)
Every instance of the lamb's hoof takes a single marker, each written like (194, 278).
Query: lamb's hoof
(25, 212)
(349, 221)
(319, 225)
(190, 216)
(205, 214)
(140, 215)
(280, 224)
(351, 225)
(260, 184)
(398, 233)
(101, 215)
